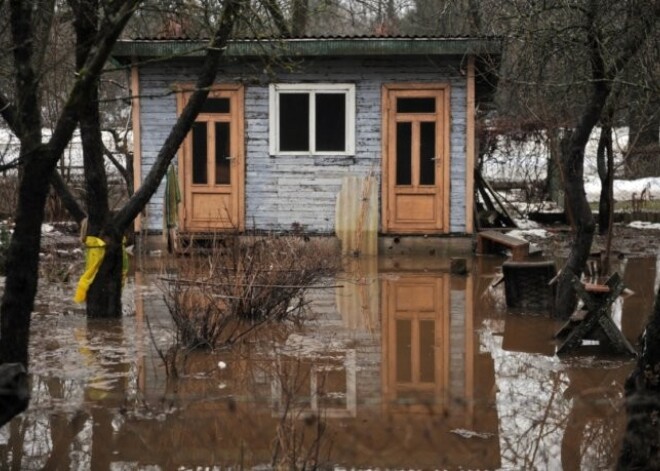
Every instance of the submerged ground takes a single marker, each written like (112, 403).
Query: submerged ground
(400, 365)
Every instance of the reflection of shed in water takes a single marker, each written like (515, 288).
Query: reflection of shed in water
(390, 385)
(415, 341)
(432, 368)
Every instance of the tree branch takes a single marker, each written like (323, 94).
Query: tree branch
(110, 30)
(120, 168)
(216, 48)
(66, 196)
(8, 113)
(275, 13)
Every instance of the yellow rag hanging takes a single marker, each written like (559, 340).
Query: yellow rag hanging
(94, 253)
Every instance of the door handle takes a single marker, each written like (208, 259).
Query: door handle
(436, 158)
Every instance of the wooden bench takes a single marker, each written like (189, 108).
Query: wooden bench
(488, 241)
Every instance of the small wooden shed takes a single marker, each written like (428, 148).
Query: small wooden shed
(291, 122)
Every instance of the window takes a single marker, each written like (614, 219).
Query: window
(312, 119)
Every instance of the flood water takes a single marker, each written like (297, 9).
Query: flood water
(403, 366)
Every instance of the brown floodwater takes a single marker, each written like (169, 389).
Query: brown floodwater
(403, 366)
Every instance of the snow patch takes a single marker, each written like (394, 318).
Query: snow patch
(526, 233)
(644, 225)
(624, 190)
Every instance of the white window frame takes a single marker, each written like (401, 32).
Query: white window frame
(276, 89)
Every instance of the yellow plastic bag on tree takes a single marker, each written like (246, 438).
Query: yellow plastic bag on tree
(94, 253)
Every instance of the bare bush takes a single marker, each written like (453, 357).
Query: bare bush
(244, 282)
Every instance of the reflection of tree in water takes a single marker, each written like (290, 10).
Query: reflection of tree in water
(594, 424)
(554, 415)
(78, 384)
(43, 439)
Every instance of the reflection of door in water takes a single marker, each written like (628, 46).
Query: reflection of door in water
(415, 158)
(211, 165)
(415, 346)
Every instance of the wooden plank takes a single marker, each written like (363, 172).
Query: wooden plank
(386, 171)
(596, 288)
(618, 341)
(137, 136)
(470, 148)
(446, 159)
(486, 240)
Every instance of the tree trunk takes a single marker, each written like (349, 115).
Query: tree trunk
(23, 257)
(553, 179)
(299, 17)
(572, 165)
(572, 162)
(641, 443)
(605, 160)
(104, 295)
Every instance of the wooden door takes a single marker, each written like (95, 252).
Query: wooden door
(415, 339)
(211, 169)
(415, 158)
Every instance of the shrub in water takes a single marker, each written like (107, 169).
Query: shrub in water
(243, 283)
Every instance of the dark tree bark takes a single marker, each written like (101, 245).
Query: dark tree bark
(14, 391)
(553, 182)
(605, 161)
(67, 198)
(641, 443)
(96, 183)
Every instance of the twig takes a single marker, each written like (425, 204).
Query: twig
(249, 285)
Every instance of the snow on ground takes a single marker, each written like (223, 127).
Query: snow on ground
(526, 161)
(624, 190)
(527, 233)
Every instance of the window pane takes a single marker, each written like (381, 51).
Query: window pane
(199, 153)
(215, 105)
(403, 153)
(403, 351)
(427, 154)
(222, 146)
(427, 351)
(330, 122)
(294, 122)
(415, 105)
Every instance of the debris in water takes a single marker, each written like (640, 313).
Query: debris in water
(471, 433)
(222, 365)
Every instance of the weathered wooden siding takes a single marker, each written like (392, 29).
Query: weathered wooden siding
(300, 191)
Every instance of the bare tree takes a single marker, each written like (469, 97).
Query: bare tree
(39, 157)
(104, 296)
(564, 68)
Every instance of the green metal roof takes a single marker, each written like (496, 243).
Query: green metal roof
(312, 47)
